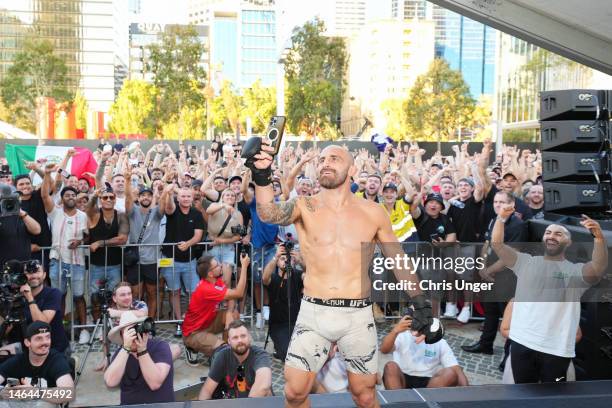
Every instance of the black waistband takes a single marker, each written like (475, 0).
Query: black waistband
(358, 303)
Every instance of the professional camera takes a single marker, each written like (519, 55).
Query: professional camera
(9, 201)
(104, 295)
(146, 326)
(289, 244)
(239, 230)
(13, 275)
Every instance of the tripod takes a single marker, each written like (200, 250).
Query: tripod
(105, 324)
(14, 315)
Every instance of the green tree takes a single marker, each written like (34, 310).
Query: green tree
(228, 110)
(393, 110)
(36, 72)
(439, 104)
(190, 123)
(81, 105)
(259, 105)
(178, 74)
(132, 108)
(315, 68)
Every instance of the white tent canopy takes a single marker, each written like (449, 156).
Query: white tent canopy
(580, 30)
(9, 131)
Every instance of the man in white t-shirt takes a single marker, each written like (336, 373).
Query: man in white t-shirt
(547, 302)
(417, 364)
(67, 260)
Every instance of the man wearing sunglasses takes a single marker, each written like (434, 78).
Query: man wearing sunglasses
(108, 229)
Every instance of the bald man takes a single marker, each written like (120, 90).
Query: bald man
(546, 309)
(332, 226)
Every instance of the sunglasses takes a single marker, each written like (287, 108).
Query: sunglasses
(107, 198)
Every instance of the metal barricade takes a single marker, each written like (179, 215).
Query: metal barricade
(109, 271)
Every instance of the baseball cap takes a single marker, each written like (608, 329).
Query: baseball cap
(509, 174)
(467, 180)
(435, 197)
(145, 189)
(391, 186)
(438, 165)
(37, 327)
(197, 183)
(235, 178)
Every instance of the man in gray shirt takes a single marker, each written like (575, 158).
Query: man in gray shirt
(145, 219)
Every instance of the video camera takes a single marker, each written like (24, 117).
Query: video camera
(289, 244)
(13, 273)
(104, 295)
(9, 201)
(146, 326)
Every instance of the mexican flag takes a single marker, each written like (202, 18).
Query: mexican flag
(18, 155)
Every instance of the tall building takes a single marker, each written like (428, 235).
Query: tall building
(467, 45)
(90, 35)
(243, 45)
(144, 34)
(528, 70)
(386, 57)
(134, 6)
(349, 18)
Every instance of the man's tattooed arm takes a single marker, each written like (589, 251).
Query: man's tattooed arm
(285, 213)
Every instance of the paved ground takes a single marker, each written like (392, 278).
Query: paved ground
(480, 369)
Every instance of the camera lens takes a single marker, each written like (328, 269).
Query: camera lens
(273, 134)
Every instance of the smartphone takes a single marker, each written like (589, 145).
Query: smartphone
(275, 132)
(64, 173)
(434, 237)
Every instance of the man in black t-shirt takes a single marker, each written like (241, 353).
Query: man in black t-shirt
(31, 202)
(242, 370)
(15, 233)
(185, 227)
(464, 214)
(283, 314)
(505, 281)
(41, 366)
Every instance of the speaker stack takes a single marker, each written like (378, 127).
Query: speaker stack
(575, 130)
(576, 172)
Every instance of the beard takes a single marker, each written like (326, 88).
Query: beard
(69, 204)
(555, 250)
(240, 349)
(333, 180)
(145, 204)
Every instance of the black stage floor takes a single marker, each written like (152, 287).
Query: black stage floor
(584, 394)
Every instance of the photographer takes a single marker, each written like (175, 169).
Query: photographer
(142, 366)
(284, 305)
(41, 366)
(417, 364)
(43, 304)
(16, 228)
(204, 320)
(242, 370)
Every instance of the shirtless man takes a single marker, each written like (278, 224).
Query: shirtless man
(332, 226)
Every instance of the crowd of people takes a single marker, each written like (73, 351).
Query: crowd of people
(192, 223)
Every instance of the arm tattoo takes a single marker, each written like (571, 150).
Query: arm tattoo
(277, 213)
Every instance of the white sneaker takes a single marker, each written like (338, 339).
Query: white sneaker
(451, 311)
(259, 321)
(266, 313)
(84, 337)
(465, 315)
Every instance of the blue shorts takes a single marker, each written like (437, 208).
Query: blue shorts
(225, 254)
(60, 281)
(182, 271)
(261, 257)
(112, 274)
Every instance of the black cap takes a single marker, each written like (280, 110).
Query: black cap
(37, 327)
(509, 174)
(435, 197)
(197, 183)
(438, 165)
(391, 186)
(234, 178)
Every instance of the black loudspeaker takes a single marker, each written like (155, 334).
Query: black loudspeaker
(573, 166)
(576, 159)
(573, 104)
(574, 135)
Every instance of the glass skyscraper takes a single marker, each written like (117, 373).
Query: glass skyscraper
(90, 35)
(467, 45)
(258, 57)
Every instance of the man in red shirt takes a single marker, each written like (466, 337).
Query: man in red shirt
(204, 318)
